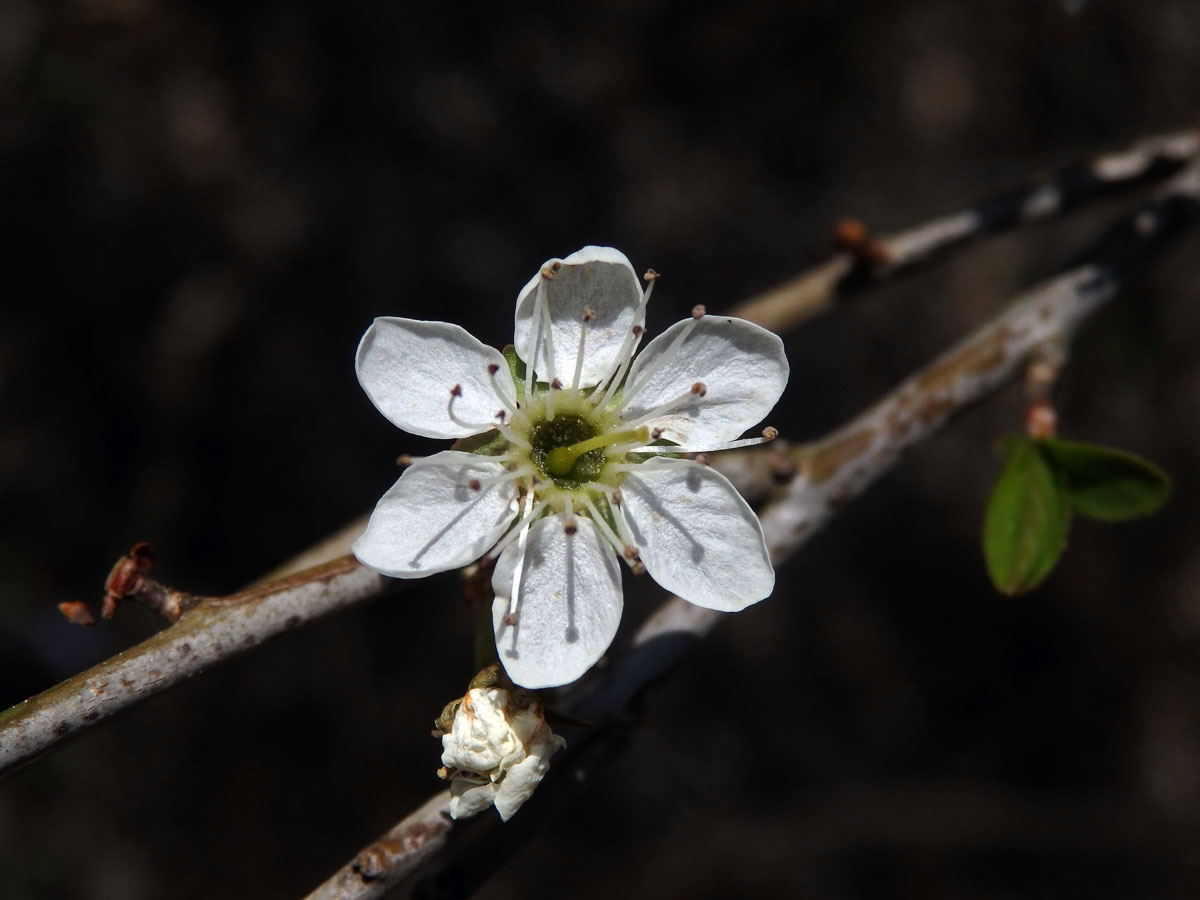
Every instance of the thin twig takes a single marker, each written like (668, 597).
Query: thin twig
(867, 261)
(830, 472)
(215, 629)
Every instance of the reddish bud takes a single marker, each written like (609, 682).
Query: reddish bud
(77, 612)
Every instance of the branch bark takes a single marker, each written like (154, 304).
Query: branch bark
(215, 629)
(829, 472)
(868, 261)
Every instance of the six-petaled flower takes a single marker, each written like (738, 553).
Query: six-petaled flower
(573, 458)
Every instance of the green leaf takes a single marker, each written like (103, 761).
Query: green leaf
(1105, 483)
(1027, 520)
(1008, 444)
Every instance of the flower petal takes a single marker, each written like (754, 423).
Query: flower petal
(408, 368)
(519, 784)
(597, 277)
(742, 366)
(568, 604)
(696, 535)
(468, 798)
(431, 521)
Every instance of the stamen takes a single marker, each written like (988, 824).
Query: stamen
(623, 527)
(697, 390)
(456, 393)
(515, 529)
(617, 544)
(569, 524)
(547, 273)
(514, 597)
(478, 484)
(561, 460)
(493, 369)
(588, 315)
(547, 331)
(667, 356)
(630, 346)
(768, 434)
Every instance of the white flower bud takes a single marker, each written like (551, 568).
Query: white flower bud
(496, 752)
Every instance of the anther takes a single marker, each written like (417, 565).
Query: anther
(588, 314)
(638, 567)
(474, 484)
(501, 415)
(556, 384)
(651, 275)
(655, 434)
(615, 497)
(769, 433)
(631, 552)
(704, 459)
(510, 619)
(456, 391)
(570, 528)
(638, 330)
(551, 270)
(699, 389)
(404, 460)
(493, 368)
(698, 311)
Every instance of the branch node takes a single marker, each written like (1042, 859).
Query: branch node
(128, 581)
(853, 236)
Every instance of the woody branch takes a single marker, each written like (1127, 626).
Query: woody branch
(212, 629)
(223, 627)
(828, 473)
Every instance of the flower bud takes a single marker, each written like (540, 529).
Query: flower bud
(496, 752)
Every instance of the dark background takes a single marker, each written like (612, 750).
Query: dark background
(205, 205)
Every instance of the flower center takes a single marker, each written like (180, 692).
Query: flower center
(564, 461)
(553, 450)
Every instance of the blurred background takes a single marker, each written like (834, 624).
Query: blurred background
(206, 203)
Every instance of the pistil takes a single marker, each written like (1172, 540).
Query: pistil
(561, 460)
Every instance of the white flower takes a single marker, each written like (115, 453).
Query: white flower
(570, 468)
(496, 752)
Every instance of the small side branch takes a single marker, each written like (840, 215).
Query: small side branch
(867, 261)
(214, 629)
